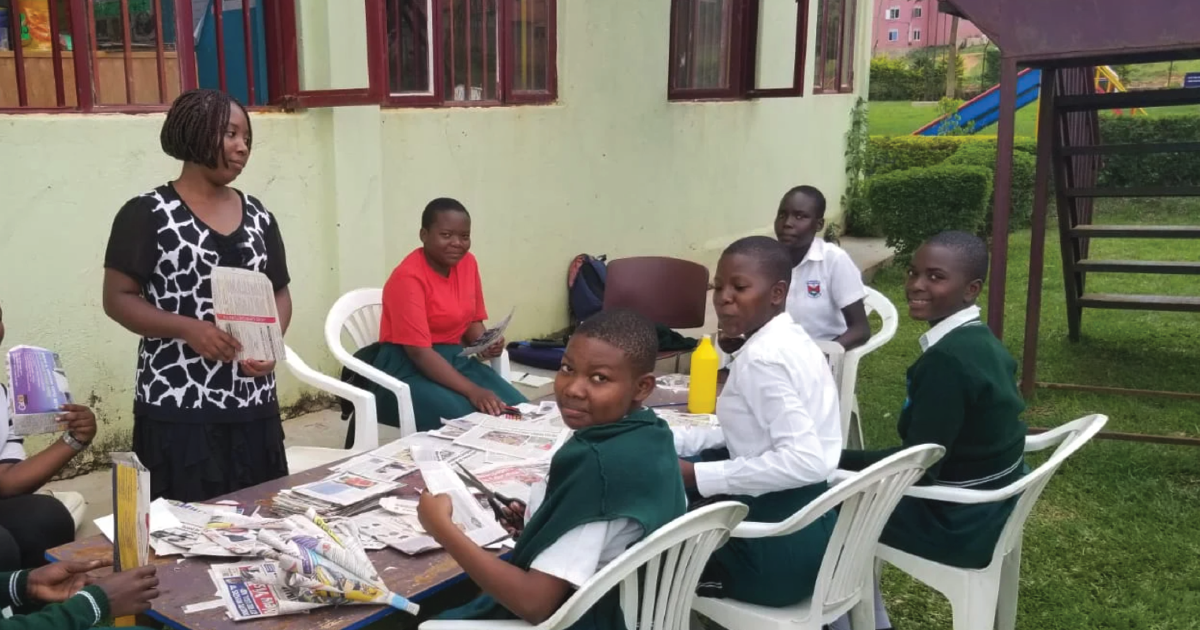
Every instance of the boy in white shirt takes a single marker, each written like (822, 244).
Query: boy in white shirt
(611, 484)
(779, 437)
(827, 293)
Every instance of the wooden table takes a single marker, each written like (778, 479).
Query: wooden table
(187, 582)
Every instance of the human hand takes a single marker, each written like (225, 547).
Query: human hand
(81, 422)
(493, 351)
(486, 401)
(56, 582)
(211, 342)
(688, 471)
(435, 512)
(129, 592)
(513, 518)
(254, 368)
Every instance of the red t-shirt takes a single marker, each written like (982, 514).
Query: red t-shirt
(422, 308)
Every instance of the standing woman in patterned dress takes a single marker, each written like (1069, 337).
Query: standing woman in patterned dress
(204, 424)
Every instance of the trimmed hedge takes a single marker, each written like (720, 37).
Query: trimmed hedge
(886, 154)
(912, 205)
(1159, 169)
(983, 155)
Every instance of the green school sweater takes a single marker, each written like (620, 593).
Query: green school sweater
(627, 469)
(962, 395)
(84, 610)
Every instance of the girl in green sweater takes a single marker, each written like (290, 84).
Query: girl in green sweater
(963, 396)
(614, 482)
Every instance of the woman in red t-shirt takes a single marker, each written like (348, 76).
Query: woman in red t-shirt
(432, 307)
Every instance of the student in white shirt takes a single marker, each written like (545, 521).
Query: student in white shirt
(779, 437)
(32, 523)
(827, 293)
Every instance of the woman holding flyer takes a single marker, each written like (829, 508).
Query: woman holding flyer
(205, 424)
(432, 308)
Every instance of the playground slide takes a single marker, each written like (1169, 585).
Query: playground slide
(984, 110)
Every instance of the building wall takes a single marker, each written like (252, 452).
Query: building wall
(612, 168)
(933, 26)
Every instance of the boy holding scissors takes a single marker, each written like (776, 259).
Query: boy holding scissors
(613, 483)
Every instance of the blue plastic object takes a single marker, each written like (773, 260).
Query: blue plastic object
(235, 52)
(984, 110)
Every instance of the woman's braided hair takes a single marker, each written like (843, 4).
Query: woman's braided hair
(195, 127)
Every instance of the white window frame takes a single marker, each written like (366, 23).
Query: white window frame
(893, 35)
(915, 35)
(916, 12)
(893, 13)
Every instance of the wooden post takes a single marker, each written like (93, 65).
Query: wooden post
(1047, 125)
(1001, 206)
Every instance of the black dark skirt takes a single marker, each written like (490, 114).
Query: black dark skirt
(199, 462)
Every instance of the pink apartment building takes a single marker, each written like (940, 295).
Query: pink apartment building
(905, 25)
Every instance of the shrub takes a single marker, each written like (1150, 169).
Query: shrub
(912, 205)
(1158, 169)
(892, 80)
(983, 155)
(887, 154)
(990, 73)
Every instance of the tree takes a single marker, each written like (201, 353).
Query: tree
(952, 60)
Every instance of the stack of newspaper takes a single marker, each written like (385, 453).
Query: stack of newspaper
(355, 486)
(681, 420)
(307, 563)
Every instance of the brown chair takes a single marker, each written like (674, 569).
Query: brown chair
(668, 291)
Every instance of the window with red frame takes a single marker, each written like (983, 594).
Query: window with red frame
(736, 49)
(836, 22)
(137, 55)
(471, 52)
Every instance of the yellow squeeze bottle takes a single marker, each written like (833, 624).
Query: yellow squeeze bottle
(702, 384)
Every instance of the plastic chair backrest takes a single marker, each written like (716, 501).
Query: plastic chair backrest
(875, 302)
(661, 596)
(358, 314)
(867, 501)
(1069, 437)
(668, 291)
(836, 355)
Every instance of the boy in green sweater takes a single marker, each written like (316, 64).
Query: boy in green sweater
(614, 482)
(963, 396)
(62, 596)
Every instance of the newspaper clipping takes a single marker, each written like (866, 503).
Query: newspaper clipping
(244, 307)
(470, 517)
(489, 337)
(38, 389)
(522, 440)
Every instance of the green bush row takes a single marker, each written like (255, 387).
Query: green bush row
(887, 154)
(911, 205)
(1159, 169)
(918, 77)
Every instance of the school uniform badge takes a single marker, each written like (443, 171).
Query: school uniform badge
(814, 288)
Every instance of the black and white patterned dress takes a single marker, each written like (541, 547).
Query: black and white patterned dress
(201, 427)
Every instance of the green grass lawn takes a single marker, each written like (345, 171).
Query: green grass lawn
(1115, 540)
(900, 118)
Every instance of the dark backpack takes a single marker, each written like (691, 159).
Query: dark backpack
(585, 287)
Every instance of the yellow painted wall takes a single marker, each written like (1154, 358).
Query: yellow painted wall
(612, 168)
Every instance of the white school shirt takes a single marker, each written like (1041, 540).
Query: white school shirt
(12, 447)
(943, 328)
(581, 552)
(778, 414)
(823, 284)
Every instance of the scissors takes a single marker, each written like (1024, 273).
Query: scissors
(496, 500)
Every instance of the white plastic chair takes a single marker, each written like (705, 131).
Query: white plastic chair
(660, 599)
(846, 581)
(983, 597)
(366, 433)
(875, 302)
(358, 313)
(836, 355)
